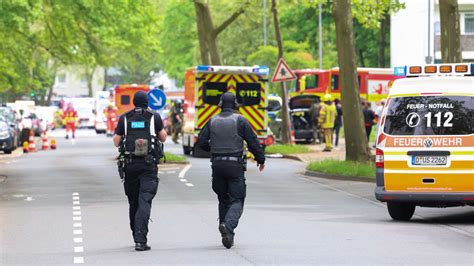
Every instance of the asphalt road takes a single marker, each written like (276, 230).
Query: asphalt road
(68, 206)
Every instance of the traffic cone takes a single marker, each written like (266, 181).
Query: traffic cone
(53, 144)
(31, 142)
(25, 147)
(45, 145)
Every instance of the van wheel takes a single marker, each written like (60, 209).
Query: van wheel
(7, 151)
(187, 150)
(401, 211)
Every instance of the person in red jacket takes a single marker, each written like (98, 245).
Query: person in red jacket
(70, 120)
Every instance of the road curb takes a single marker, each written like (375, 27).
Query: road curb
(288, 156)
(339, 177)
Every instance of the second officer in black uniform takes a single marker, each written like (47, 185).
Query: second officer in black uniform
(224, 137)
(137, 135)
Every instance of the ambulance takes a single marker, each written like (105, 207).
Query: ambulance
(203, 87)
(425, 142)
(123, 96)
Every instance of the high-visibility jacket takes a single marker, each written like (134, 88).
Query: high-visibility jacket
(327, 115)
(110, 114)
(70, 116)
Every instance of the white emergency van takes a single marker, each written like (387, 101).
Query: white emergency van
(425, 142)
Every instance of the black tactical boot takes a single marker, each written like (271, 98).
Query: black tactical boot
(227, 237)
(142, 247)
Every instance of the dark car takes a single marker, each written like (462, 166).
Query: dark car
(8, 136)
(300, 118)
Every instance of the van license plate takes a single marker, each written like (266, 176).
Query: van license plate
(429, 160)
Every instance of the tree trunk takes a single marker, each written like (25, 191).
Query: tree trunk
(90, 78)
(207, 33)
(450, 31)
(361, 58)
(354, 130)
(285, 129)
(384, 29)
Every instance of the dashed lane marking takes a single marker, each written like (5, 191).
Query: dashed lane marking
(183, 180)
(189, 184)
(77, 231)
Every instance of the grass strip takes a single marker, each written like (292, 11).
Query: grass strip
(173, 158)
(343, 168)
(286, 149)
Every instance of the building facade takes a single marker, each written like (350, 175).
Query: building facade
(71, 81)
(415, 33)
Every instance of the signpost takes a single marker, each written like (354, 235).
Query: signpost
(156, 99)
(282, 74)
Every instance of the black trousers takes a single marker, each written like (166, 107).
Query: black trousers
(228, 182)
(336, 132)
(141, 185)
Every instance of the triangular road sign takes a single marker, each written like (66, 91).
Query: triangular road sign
(283, 72)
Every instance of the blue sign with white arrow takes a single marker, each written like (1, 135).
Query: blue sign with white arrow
(156, 99)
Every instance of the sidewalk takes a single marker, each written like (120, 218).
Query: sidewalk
(317, 153)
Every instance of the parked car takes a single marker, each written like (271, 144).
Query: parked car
(300, 118)
(8, 136)
(12, 119)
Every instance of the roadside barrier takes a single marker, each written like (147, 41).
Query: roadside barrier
(31, 142)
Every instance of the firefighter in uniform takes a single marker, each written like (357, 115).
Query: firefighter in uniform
(137, 134)
(224, 137)
(327, 116)
(70, 120)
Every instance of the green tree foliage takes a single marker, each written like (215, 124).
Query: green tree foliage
(179, 32)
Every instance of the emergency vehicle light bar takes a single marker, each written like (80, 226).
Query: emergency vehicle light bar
(434, 70)
(261, 70)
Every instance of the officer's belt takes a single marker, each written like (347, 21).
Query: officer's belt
(227, 158)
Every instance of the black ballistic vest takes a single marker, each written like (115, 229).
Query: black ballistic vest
(225, 137)
(139, 124)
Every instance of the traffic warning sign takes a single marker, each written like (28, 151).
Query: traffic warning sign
(283, 72)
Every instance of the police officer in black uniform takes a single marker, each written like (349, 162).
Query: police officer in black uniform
(138, 135)
(224, 137)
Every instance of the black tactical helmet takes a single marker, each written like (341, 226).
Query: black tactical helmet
(228, 100)
(140, 99)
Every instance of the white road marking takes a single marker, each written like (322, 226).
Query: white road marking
(170, 172)
(185, 169)
(169, 168)
(78, 260)
(29, 199)
(189, 184)
(161, 172)
(77, 216)
(183, 180)
(19, 196)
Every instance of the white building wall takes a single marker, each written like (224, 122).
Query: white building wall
(409, 34)
(71, 82)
